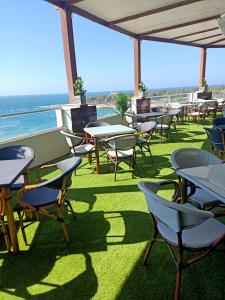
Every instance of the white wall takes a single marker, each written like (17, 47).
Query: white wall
(47, 145)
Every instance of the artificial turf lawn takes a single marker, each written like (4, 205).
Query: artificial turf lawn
(108, 239)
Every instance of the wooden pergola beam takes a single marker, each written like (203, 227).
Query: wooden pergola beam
(207, 37)
(170, 41)
(69, 50)
(217, 41)
(202, 66)
(137, 65)
(180, 25)
(194, 33)
(153, 11)
(71, 2)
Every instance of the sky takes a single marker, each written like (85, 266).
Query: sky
(32, 58)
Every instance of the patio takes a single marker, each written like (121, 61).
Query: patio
(109, 237)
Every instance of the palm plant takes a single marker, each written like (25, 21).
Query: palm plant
(121, 104)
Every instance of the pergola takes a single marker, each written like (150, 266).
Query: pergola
(183, 22)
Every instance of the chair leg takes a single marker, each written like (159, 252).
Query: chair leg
(148, 251)
(63, 225)
(5, 233)
(115, 170)
(178, 274)
(22, 228)
(68, 203)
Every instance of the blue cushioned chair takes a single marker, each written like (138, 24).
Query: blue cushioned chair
(217, 141)
(219, 123)
(47, 195)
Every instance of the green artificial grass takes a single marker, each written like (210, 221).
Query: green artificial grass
(108, 240)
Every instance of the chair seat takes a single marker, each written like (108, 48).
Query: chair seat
(121, 153)
(41, 196)
(141, 141)
(84, 149)
(196, 113)
(203, 199)
(162, 126)
(200, 236)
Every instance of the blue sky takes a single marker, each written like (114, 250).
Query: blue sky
(32, 59)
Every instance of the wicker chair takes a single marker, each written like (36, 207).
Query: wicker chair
(145, 131)
(43, 197)
(189, 158)
(120, 148)
(180, 226)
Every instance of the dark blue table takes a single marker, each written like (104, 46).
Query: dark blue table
(10, 171)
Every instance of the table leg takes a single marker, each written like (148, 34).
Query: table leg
(10, 218)
(184, 184)
(97, 156)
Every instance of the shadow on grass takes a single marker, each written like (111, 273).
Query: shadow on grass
(90, 233)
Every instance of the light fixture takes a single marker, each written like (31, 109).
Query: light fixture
(221, 23)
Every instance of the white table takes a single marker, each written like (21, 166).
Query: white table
(105, 131)
(208, 178)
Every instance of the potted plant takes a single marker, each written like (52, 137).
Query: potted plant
(204, 85)
(122, 104)
(142, 89)
(79, 90)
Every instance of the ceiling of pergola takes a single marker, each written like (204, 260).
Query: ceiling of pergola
(192, 22)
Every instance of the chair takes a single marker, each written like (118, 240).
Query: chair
(17, 152)
(217, 141)
(120, 148)
(131, 119)
(145, 131)
(212, 108)
(159, 109)
(198, 112)
(43, 197)
(164, 124)
(189, 158)
(176, 113)
(180, 226)
(219, 123)
(77, 144)
(97, 124)
(221, 105)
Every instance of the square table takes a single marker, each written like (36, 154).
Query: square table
(209, 178)
(105, 131)
(11, 170)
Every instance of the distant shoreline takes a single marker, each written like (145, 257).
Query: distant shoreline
(153, 92)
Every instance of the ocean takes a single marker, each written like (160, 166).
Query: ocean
(17, 126)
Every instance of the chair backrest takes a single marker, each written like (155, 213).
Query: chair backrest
(174, 215)
(174, 111)
(166, 120)
(218, 121)
(216, 138)
(72, 139)
(97, 124)
(213, 104)
(67, 166)
(122, 142)
(159, 109)
(192, 157)
(130, 117)
(146, 127)
(16, 152)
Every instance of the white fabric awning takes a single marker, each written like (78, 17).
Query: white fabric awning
(192, 22)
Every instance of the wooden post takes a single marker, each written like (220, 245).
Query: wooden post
(202, 66)
(69, 49)
(137, 65)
